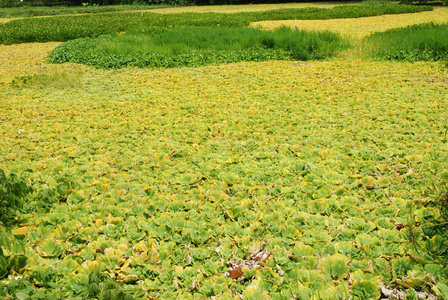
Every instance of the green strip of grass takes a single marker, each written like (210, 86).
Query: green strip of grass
(64, 28)
(426, 42)
(197, 46)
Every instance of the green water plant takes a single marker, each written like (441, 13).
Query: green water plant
(427, 42)
(196, 46)
(13, 192)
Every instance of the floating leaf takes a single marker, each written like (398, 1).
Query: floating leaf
(51, 248)
(335, 266)
(365, 290)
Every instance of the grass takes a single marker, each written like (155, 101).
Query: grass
(64, 28)
(196, 46)
(418, 42)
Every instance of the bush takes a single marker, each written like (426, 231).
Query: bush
(13, 190)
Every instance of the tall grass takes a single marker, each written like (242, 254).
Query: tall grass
(64, 28)
(195, 46)
(427, 42)
(185, 40)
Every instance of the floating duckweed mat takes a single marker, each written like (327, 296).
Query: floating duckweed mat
(273, 179)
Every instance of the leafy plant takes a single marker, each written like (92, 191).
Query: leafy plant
(55, 190)
(185, 170)
(11, 255)
(441, 290)
(365, 290)
(442, 201)
(197, 46)
(335, 266)
(13, 190)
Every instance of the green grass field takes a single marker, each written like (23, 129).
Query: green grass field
(278, 179)
(419, 42)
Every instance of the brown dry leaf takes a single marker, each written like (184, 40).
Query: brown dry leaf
(390, 293)
(252, 262)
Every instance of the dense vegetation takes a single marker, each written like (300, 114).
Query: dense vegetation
(13, 190)
(418, 42)
(31, 11)
(270, 180)
(181, 172)
(21, 3)
(197, 46)
(64, 28)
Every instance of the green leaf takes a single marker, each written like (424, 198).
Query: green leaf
(335, 266)
(365, 290)
(441, 290)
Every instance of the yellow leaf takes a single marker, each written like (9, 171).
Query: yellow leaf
(22, 230)
(99, 223)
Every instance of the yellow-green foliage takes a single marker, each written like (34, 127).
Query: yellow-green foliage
(179, 171)
(361, 27)
(241, 8)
